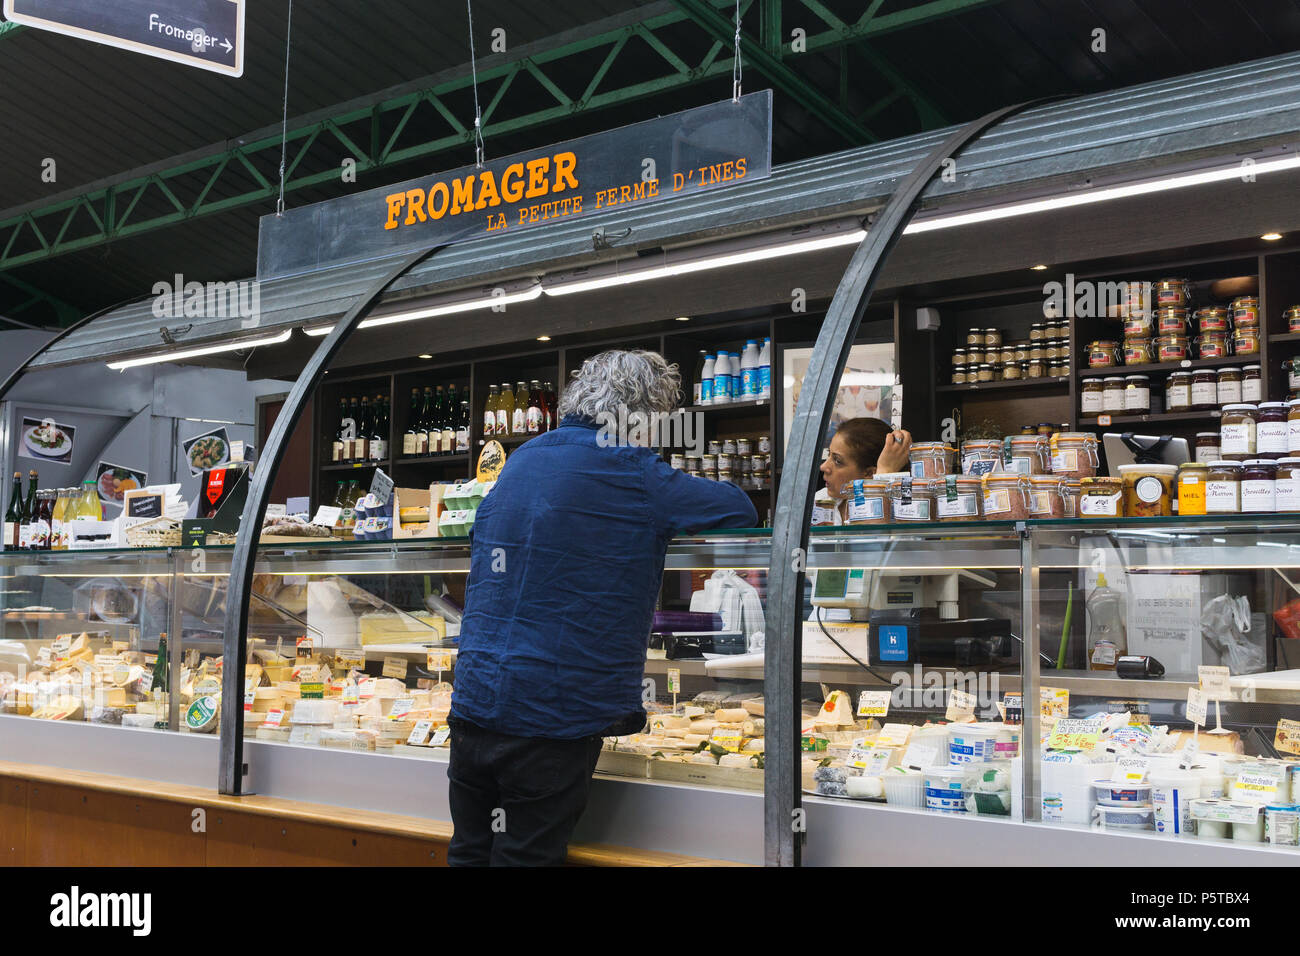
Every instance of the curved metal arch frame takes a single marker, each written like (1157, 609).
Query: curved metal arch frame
(231, 769)
(783, 833)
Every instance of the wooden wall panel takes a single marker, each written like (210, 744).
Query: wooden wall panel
(242, 839)
(71, 826)
(13, 822)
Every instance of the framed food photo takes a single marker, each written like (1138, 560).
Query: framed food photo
(114, 481)
(207, 450)
(44, 439)
(868, 387)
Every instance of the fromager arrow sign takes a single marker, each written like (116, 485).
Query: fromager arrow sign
(208, 34)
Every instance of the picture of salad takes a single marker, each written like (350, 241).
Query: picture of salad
(47, 439)
(114, 482)
(207, 450)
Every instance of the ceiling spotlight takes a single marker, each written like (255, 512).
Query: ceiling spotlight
(683, 318)
(543, 338)
(1271, 236)
(425, 355)
(1038, 268)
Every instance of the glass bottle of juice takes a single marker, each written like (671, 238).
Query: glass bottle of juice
(58, 535)
(519, 419)
(505, 409)
(88, 506)
(490, 412)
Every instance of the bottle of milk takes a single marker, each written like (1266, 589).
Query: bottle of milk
(722, 378)
(765, 370)
(749, 375)
(705, 394)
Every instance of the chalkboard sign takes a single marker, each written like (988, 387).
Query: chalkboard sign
(144, 504)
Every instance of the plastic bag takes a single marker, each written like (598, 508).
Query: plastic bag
(1225, 622)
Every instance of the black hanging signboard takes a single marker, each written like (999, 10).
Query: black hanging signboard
(208, 34)
(709, 147)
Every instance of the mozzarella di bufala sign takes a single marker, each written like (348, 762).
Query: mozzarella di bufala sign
(208, 34)
(708, 147)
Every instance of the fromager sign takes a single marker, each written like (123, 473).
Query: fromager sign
(208, 34)
(705, 148)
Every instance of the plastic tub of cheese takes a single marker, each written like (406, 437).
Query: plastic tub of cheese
(1137, 816)
(904, 788)
(1113, 794)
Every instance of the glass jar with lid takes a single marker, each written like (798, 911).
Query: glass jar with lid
(1259, 486)
(1207, 447)
(1237, 427)
(1059, 369)
(1252, 384)
(1245, 312)
(1213, 345)
(910, 499)
(1173, 348)
(958, 497)
(1091, 397)
(1214, 318)
(1022, 351)
(1113, 397)
(1272, 438)
(1101, 497)
(1038, 351)
(1227, 386)
(1138, 351)
(1171, 321)
(1293, 426)
(1223, 488)
(1050, 350)
(1288, 484)
(959, 357)
(1292, 369)
(1063, 343)
(993, 338)
(1013, 370)
(1103, 353)
(1138, 325)
(1205, 389)
(1035, 368)
(868, 502)
(1027, 455)
(1178, 392)
(975, 337)
(1007, 354)
(1192, 476)
(1171, 293)
(1292, 316)
(1037, 331)
(1245, 342)
(1074, 454)
(984, 373)
(1137, 394)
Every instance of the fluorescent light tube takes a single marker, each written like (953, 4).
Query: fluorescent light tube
(1087, 197)
(201, 350)
(532, 292)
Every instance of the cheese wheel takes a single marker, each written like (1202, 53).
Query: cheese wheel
(669, 720)
(694, 740)
(736, 760)
(703, 726)
(754, 745)
(736, 715)
(753, 728)
(677, 732)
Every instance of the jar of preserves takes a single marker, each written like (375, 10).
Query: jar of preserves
(1214, 318)
(1137, 395)
(677, 461)
(979, 456)
(1237, 432)
(1138, 326)
(868, 502)
(1090, 401)
(1292, 316)
(709, 462)
(726, 462)
(959, 358)
(765, 444)
(958, 497)
(1138, 351)
(1214, 345)
(1227, 386)
(1207, 447)
(1059, 369)
(1293, 427)
(1047, 496)
(993, 338)
(1029, 429)
(1173, 348)
(1138, 298)
(1245, 312)
(1259, 486)
(1223, 488)
(1074, 454)
(1103, 353)
(1013, 371)
(1171, 293)
(1072, 488)
(1006, 496)
(1291, 367)
(1022, 351)
(823, 510)
(1148, 489)
(1252, 385)
(1038, 351)
(931, 459)
(1171, 322)
(983, 373)
(910, 499)
(1205, 389)
(1063, 343)
(1051, 350)
(1037, 331)
(1035, 369)
(1045, 430)
(715, 448)
(975, 337)
(728, 447)
(1245, 341)
(1272, 435)
(1026, 455)
(1178, 392)
(1112, 399)
(1006, 355)
(1288, 484)
(744, 446)
(1101, 497)
(1191, 488)
(726, 474)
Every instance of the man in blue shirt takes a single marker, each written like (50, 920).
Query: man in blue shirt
(565, 569)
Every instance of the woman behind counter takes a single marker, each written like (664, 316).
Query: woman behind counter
(860, 448)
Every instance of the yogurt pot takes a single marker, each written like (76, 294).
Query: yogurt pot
(1135, 816)
(972, 743)
(1112, 794)
(943, 790)
(1172, 792)
(1282, 825)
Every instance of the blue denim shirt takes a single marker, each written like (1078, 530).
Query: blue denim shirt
(566, 565)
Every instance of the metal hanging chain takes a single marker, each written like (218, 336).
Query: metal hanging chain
(284, 122)
(735, 62)
(473, 69)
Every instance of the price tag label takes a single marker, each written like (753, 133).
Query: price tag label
(874, 703)
(1258, 783)
(360, 743)
(920, 756)
(312, 690)
(960, 705)
(878, 762)
(401, 707)
(381, 486)
(1074, 734)
(1103, 420)
(350, 660)
(395, 667)
(859, 754)
(273, 718)
(440, 736)
(61, 644)
(1287, 736)
(438, 660)
(327, 516)
(894, 735)
(1055, 701)
(306, 647)
(43, 656)
(350, 694)
(1187, 756)
(1197, 704)
(249, 697)
(674, 680)
(420, 732)
(728, 739)
(1130, 770)
(1215, 681)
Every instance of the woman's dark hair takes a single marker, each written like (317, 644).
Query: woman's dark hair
(865, 438)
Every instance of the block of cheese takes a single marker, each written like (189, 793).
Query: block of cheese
(61, 708)
(705, 727)
(387, 627)
(836, 711)
(678, 732)
(737, 760)
(753, 728)
(289, 689)
(694, 740)
(267, 698)
(389, 687)
(754, 706)
(736, 715)
(664, 721)
(110, 696)
(754, 745)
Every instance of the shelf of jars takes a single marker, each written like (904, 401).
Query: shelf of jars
(1011, 386)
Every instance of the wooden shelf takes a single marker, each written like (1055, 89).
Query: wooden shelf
(1284, 337)
(1025, 385)
(355, 465)
(433, 459)
(1167, 366)
(1201, 416)
(730, 408)
(508, 440)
